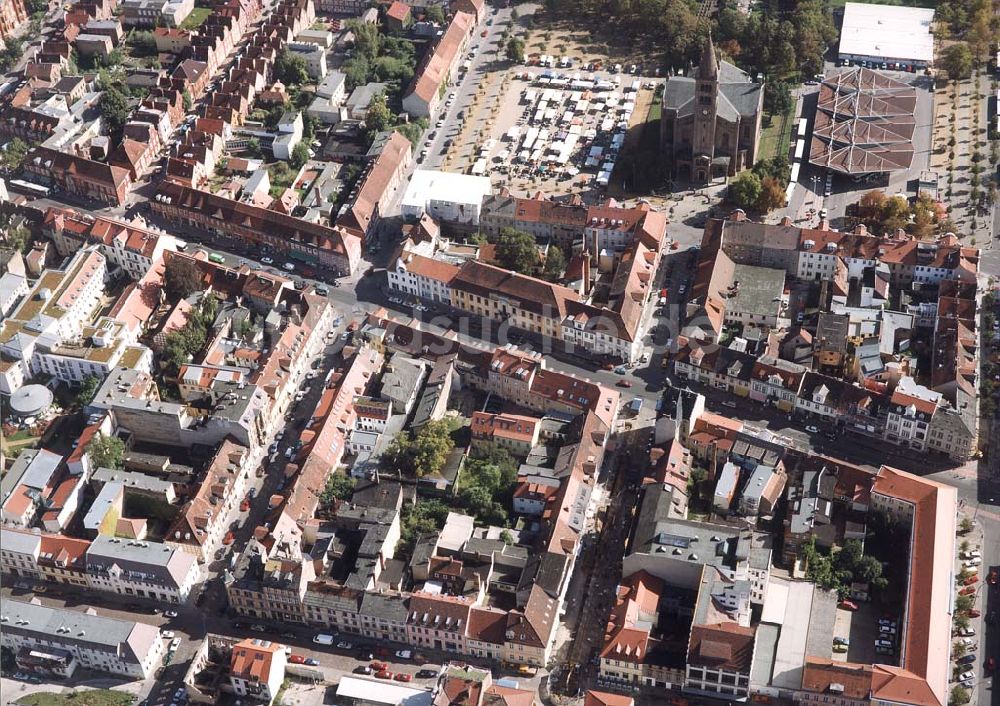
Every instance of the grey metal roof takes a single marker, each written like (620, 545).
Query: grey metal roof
(41, 469)
(121, 637)
(19, 542)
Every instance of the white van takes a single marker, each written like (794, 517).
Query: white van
(322, 639)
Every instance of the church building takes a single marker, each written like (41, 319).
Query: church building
(710, 126)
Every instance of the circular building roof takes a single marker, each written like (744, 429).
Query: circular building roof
(30, 400)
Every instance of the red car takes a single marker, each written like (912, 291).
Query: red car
(403, 677)
(991, 664)
(608, 366)
(623, 383)
(245, 505)
(974, 613)
(379, 666)
(967, 591)
(484, 33)
(229, 538)
(296, 659)
(994, 577)
(384, 674)
(848, 605)
(971, 580)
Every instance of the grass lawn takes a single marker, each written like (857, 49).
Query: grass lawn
(197, 16)
(776, 138)
(93, 697)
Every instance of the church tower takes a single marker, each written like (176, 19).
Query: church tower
(706, 99)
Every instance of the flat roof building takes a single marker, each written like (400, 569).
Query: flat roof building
(446, 196)
(887, 33)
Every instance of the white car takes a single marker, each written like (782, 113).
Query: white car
(267, 261)
(345, 646)
(289, 267)
(967, 632)
(812, 430)
(967, 675)
(174, 644)
(404, 654)
(170, 613)
(168, 634)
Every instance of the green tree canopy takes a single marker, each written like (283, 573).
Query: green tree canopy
(516, 250)
(12, 157)
(745, 190)
(555, 263)
(957, 61)
(434, 13)
(290, 68)
(421, 453)
(181, 278)
(88, 388)
(772, 195)
(379, 117)
(367, 38)
(300, 155)
(515, 50)
(339, 486)
(115, 110)
(777, 98)
(106, 451)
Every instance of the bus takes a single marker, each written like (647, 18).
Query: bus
(217, 259)
(802, 127)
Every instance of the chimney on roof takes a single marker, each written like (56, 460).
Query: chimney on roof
(738, 215)
(861, 229)
(824, 224)
(786, 221)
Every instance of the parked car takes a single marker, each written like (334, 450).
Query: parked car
(170, 613)
(257, 627)
(967, 659)
(363, 669)
(841, 641)
(971, 580)
(966, 632)
(623, 383)
(267, 261)
(967, 675)
(345, 646)
(402, 676)
(229, 538)
(967, 591)
(812, 429)
(991, 664)
(379, 666)
(383, 675)
(174, 644)
(312, 661)
(297, 659)
(847, 604)
(167, 634)
(974, 613)
(426, 674)
(404, 654)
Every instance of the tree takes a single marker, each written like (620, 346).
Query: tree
(115, 110)
(777, 98)
(870, 208)
(895, 214)
(421, 453)
(772, 195)
(515, 50)
(506, 537)
(965, 526)
(516, 250)
(356, 70)
(290, 68)
(88, 388)
(367, 39)
(555, 263)
(143, 43)
(181, 278)
(339, 486)
(106, 451)
(300, 155)
(379, 117)
(13, 155)
(958, 696)
(435, 14)
(188, 101)
(253, 148)
(963, 604)
(957, 61)
(745, 190)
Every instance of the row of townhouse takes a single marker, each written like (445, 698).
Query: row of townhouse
(58, 641)
(613, 329)
(111, 564)
(284, 575)
(909, 415)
